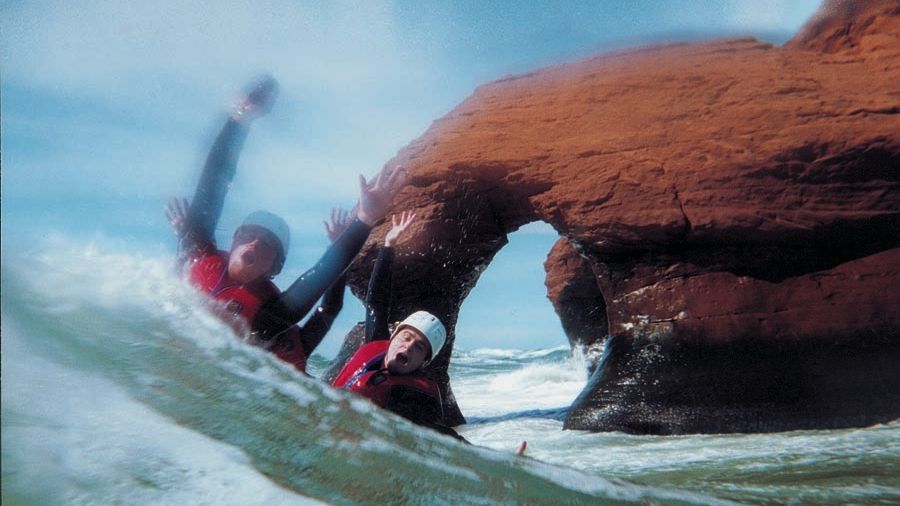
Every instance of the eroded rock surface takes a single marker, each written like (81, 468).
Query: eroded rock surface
(573, 290)
(735, 204)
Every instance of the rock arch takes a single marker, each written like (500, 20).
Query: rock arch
(737, 204)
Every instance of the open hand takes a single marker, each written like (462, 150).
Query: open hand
(398, 226)
(375, 200)
(176, 212)
(340, 220)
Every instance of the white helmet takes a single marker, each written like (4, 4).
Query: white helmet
(279, 228)
(430, 327)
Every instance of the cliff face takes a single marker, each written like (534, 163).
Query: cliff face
(732, 209)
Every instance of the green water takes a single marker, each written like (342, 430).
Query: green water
(111, 397)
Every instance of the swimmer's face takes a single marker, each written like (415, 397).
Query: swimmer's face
(407, 352)
(253, 254)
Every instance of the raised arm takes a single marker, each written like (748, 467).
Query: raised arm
(320, 322)
(221, 163)
(209, 197)
(378, 295)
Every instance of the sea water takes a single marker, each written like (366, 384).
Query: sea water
(119, 387)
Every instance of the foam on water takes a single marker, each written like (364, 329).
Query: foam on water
(75, 438)
(517, 380)
(515, 395)
(507, 402)
(117, 379)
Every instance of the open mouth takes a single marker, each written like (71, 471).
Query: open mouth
(402, 358)
(248, 257)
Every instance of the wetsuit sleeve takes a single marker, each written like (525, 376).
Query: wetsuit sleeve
(294, 303)
(320, 322)
(209, 197)
(378, 296)
(420, 409)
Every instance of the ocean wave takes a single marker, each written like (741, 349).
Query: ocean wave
(518, 387)
(508, 353)
(490, 360)
(120, 384)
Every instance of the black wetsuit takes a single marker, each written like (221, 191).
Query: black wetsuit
(278, 313)
(414, 405)
(297, 344)
(313, 331)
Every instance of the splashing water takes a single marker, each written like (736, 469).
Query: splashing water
(120, 387)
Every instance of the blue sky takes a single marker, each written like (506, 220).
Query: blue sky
(108, 108)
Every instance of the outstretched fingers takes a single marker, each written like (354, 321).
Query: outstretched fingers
(171, 206)
(388, 178)
(375, 198)
(363, 186)
(169, 209)
(406, 218)
(396, 175)
(379, 181)
(176, 213)
(339, 222)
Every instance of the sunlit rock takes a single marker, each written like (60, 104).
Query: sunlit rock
(736, 203)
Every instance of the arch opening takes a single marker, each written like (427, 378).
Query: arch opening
(514, 354)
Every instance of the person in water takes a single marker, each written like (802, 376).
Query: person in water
(297, 343)
(388, 367)
(241, 279)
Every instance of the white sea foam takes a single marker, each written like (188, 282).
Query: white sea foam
(508, 353)
(102, 441)
(146, 288)
(523, 385)
(74, 438)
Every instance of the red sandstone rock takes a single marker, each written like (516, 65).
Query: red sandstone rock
(845, 25)
(576, 296)
(722, 193)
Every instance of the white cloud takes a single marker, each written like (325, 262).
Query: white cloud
(127, 48)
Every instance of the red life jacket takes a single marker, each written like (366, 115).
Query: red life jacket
(209, 274)
(363, 374)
